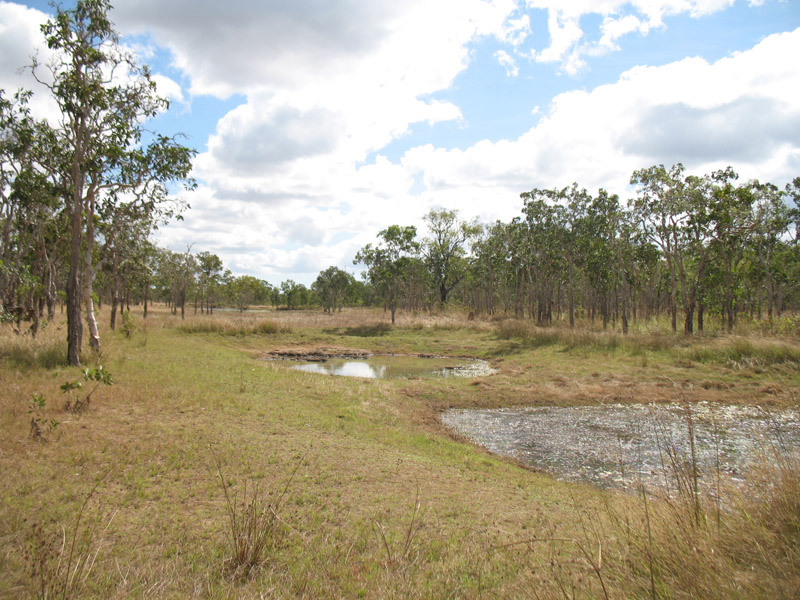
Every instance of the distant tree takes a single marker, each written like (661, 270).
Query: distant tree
(331, 287)
(446, 249)
(294, 294)
(208, 280)
(245, 290)
(29, 222)
(388, 261)
(673, 211)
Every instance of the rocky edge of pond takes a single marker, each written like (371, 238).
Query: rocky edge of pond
(324, 354)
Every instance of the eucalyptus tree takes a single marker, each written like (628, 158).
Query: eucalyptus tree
(605, 255)
(446, 248)
(542, 250)
(28, 213)
(104, 97)
(775, 257)
(208, 280)
(673, 211)
(387, 262)
(126, 235)
(245, 290)
(733, 222)
(176, 273)
(294, 294)
(332, 287)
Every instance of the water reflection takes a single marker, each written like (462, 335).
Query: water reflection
(380, 367)
(347, 368)
(623, 445)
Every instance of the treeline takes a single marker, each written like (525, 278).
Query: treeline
(686, 246)
(201, 283)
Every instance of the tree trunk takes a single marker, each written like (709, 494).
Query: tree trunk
(88, 279)
(571, 295)
(701, 309)
(74, 322)
(114, 292)
(688, 325)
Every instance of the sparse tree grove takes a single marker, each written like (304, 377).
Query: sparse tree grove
(80, 194)
(684, 245)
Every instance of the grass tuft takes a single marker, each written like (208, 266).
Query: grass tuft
(253, 523)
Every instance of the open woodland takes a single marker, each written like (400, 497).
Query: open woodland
(150, 447)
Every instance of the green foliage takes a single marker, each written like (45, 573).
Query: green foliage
(446, 249)
(332, 287)
(99, 376)
(128, 324)
(389, 262)
(40, 426)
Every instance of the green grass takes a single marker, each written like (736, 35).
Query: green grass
(384, 503)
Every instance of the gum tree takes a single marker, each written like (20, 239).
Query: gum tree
(332, 287)
(103, 161)
(388, 262)
(445, 250)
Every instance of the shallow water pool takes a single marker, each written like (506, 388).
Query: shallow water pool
(628, 445)
(380, 367)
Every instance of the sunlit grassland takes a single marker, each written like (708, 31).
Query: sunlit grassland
(367, 453)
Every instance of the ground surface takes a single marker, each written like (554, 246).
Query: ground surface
(381, 499)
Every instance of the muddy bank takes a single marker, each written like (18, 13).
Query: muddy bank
(316, 354)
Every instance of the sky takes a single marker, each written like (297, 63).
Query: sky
(319, 123)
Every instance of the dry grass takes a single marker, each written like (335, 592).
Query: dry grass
(739, 352)
(229, 326)
(351, 524)
(45, 351)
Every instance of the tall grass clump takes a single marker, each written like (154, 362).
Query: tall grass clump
(741, 352)
(47, 350)
(59, 564)
(232, 327)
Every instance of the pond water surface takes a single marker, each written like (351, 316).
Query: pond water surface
(624, 445)
(380, 367)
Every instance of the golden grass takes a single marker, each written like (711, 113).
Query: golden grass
(353, 523)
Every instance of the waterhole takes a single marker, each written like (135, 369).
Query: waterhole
(380, 367)
(628, 445)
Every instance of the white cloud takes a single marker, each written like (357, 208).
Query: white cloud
(169, 88)
(505, 60)
(620, 18)
(738, 111)
(20, 40)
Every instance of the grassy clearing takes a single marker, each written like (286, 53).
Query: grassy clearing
(380, 501)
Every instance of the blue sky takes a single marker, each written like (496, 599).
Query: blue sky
(318, 124)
